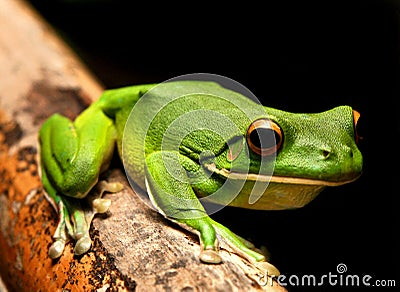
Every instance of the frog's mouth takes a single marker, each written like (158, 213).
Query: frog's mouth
(276, 179)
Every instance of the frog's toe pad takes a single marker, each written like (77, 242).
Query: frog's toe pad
(111, 187)
(101, 205)
(82, 245)
(210, 256)
(56, 249)
(268, 269)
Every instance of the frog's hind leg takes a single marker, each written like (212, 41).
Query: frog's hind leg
(72, 155)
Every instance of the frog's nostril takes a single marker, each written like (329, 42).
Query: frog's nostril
(325, 153)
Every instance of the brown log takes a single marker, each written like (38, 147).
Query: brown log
(133, 246)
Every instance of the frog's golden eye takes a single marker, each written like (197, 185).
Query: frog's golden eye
(264, 137)
(356, 117)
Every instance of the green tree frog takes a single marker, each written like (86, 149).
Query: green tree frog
(192, 145)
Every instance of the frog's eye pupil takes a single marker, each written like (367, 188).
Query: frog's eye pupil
(264, 137)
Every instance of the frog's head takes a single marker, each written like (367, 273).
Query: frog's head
(317, 148)
(303, 153)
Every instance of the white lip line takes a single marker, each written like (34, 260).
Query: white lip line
(276, 179)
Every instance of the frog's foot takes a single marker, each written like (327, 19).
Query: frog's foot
(210, 255)
(60, 235)
(75, 217)
(212, 233)
(245, 249)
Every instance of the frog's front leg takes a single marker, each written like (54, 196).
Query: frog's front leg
(72, 155)
(171, 193)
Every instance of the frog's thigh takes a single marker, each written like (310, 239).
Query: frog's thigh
(72, 157)
(59, 152)
(58, 146)
(172, 194)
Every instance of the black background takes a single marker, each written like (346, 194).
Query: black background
(300, 56)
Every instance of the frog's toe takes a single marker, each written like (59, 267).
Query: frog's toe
(56, 249)
(210, 256)
(111, 187)
(60, 235)
(82, 245)
(268, 268)
(101, 205)
(237, 244)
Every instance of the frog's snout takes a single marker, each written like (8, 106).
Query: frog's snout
(352, 163)
(339, 163)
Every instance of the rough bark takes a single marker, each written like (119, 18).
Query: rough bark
(133, 246)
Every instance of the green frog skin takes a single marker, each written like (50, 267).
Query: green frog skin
(307, 153)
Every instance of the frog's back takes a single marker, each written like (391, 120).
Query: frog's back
(142, 125)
